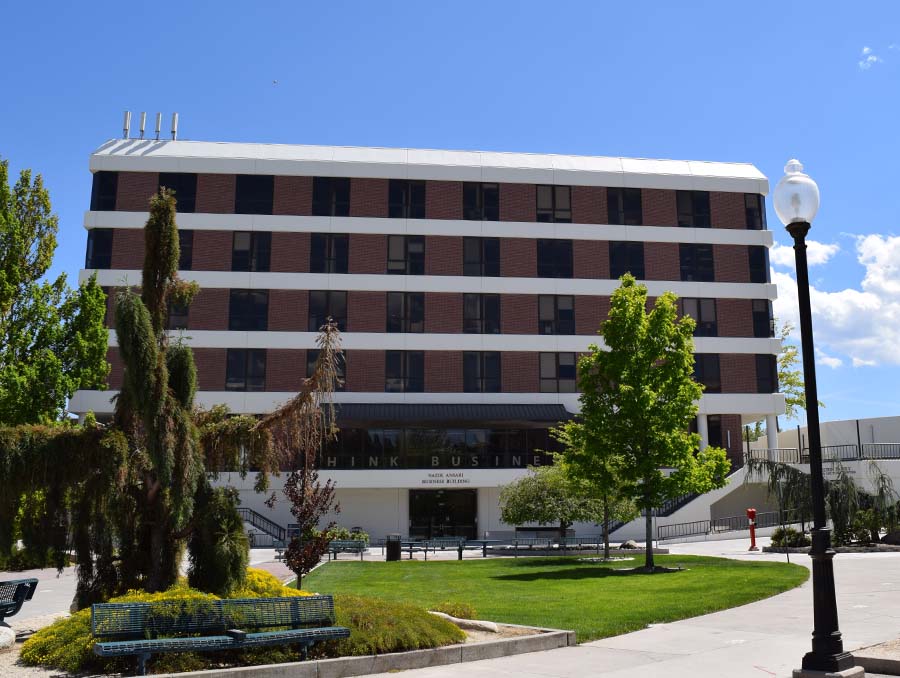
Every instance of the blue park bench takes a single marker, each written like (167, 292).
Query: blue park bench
(13, 594)
(144, 629)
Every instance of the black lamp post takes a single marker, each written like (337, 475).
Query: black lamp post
(796, 201)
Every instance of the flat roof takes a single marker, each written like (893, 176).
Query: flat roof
(408, 163)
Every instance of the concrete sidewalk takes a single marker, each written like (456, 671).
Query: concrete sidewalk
(766, 638)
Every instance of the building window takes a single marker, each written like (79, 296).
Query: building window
(766, 374)
(755, 209)
(554, 258)
(324, 304)
(697, 262)
(328, 252)
(406, 254)
(706, 371)
(312, 355)
(248, 310)
(177, 317)
(759, 264)
(406, 199)
(99, 248)
(557, 372)
(481, 202)
(245, 369)
(185, 250)
(763, 320)
(481, 256)
(331, 197)
(254, 194)
(693, 209)
(405, 311)
(404, 371)
(626, 257)
(481, 313)
(714, 430)
(554, 204)
(103, 191)
(556, 314)
(624, 206)
(251, 251)
(481, 371)
(184, 185)
(703, 311)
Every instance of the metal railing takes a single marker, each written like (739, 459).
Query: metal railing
(258, 520)
(726, 524)
(830, 453)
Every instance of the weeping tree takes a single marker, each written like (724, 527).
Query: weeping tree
(786, 484)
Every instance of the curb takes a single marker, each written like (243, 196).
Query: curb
(884, 665)
(341, 667)
(883, 548)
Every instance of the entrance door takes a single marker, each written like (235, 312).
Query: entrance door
(443, 513)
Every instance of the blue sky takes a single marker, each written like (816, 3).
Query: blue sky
(758, 83)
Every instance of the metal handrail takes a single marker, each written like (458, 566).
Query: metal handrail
(270, 527)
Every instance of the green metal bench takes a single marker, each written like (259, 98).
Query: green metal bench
(13, 594)
(144, 629)
(346, 546)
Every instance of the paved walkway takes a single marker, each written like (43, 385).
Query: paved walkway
(766, 638)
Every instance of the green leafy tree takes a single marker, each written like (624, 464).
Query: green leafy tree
(638, 399)
(790, 378)
(52, 339)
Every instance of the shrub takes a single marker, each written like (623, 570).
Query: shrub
(218, 544)
(866, 527)
(456, 609)
(790, 538)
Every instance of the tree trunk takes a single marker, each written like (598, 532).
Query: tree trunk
(606, 529)
(648, 559)
(562, 532)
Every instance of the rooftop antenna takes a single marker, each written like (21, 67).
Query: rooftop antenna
(126, 125)
(143, 122)
(158, 124)
(174, 126)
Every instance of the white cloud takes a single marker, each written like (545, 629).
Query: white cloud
(817, 253)
(862, 324)
(828, 360)
(868, 59)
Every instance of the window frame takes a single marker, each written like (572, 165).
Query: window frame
(185, 249)
(708, 371)
(698, 215)
(553, 384)
(689, 257)
(554, 213)
(406, 198)
(758, 263)
(705, 327)
(331, 196)
(766, 373)
(405, 321)
(556, 247)
(408, 363)
(246, 315)
(184, 186)
(481, 201)
(482, 362)
(254, 194)
(259, 252)
(755, 222)
(762, 329)
(248, 355)
(487, 264)
(557, 325)
(486, 305)
(327, 255)
(412, 263)
(333, 300)
(177, 316)
(617, 206)
(104, 191)
(627, 250)
(91, 255)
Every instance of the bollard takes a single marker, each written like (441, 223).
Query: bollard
(459, 551)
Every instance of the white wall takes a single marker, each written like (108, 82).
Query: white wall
(874, 430)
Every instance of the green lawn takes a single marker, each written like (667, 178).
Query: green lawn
(566, 593)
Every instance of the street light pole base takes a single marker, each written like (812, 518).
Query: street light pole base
(852, 672)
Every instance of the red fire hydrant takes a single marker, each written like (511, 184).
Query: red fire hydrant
(751, 516)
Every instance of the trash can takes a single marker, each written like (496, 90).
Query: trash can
(392, 548)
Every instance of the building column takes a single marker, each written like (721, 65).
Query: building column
(771, 431)
(703, 430)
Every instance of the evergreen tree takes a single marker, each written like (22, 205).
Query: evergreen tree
(52, 339)
(638, 399)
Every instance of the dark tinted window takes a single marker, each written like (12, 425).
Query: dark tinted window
(706, 371)
(404, 371)
(755, 208)
(248, 310)
(714, 430)
(245, 369)
(99, 248)
(693, 209)
(324, 304)
(481, 256)
(481, 202)
(331, 197)
(763, 321)
(554, 258)
(703, 311)
(405, 311)
(406, 254)
(697, 262)
(184, 184)
(554, 203)
(759, 264)
(251, 251)
(556, 314)
(177, 317)
(481, 313)
(624, 206)
(328, 252)
(766, 374)
(626, 257)
(312, 355)
(185, 250)
(558, 372)
(481, 371)
(406, 199)
(254, 193)
(103, 191)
